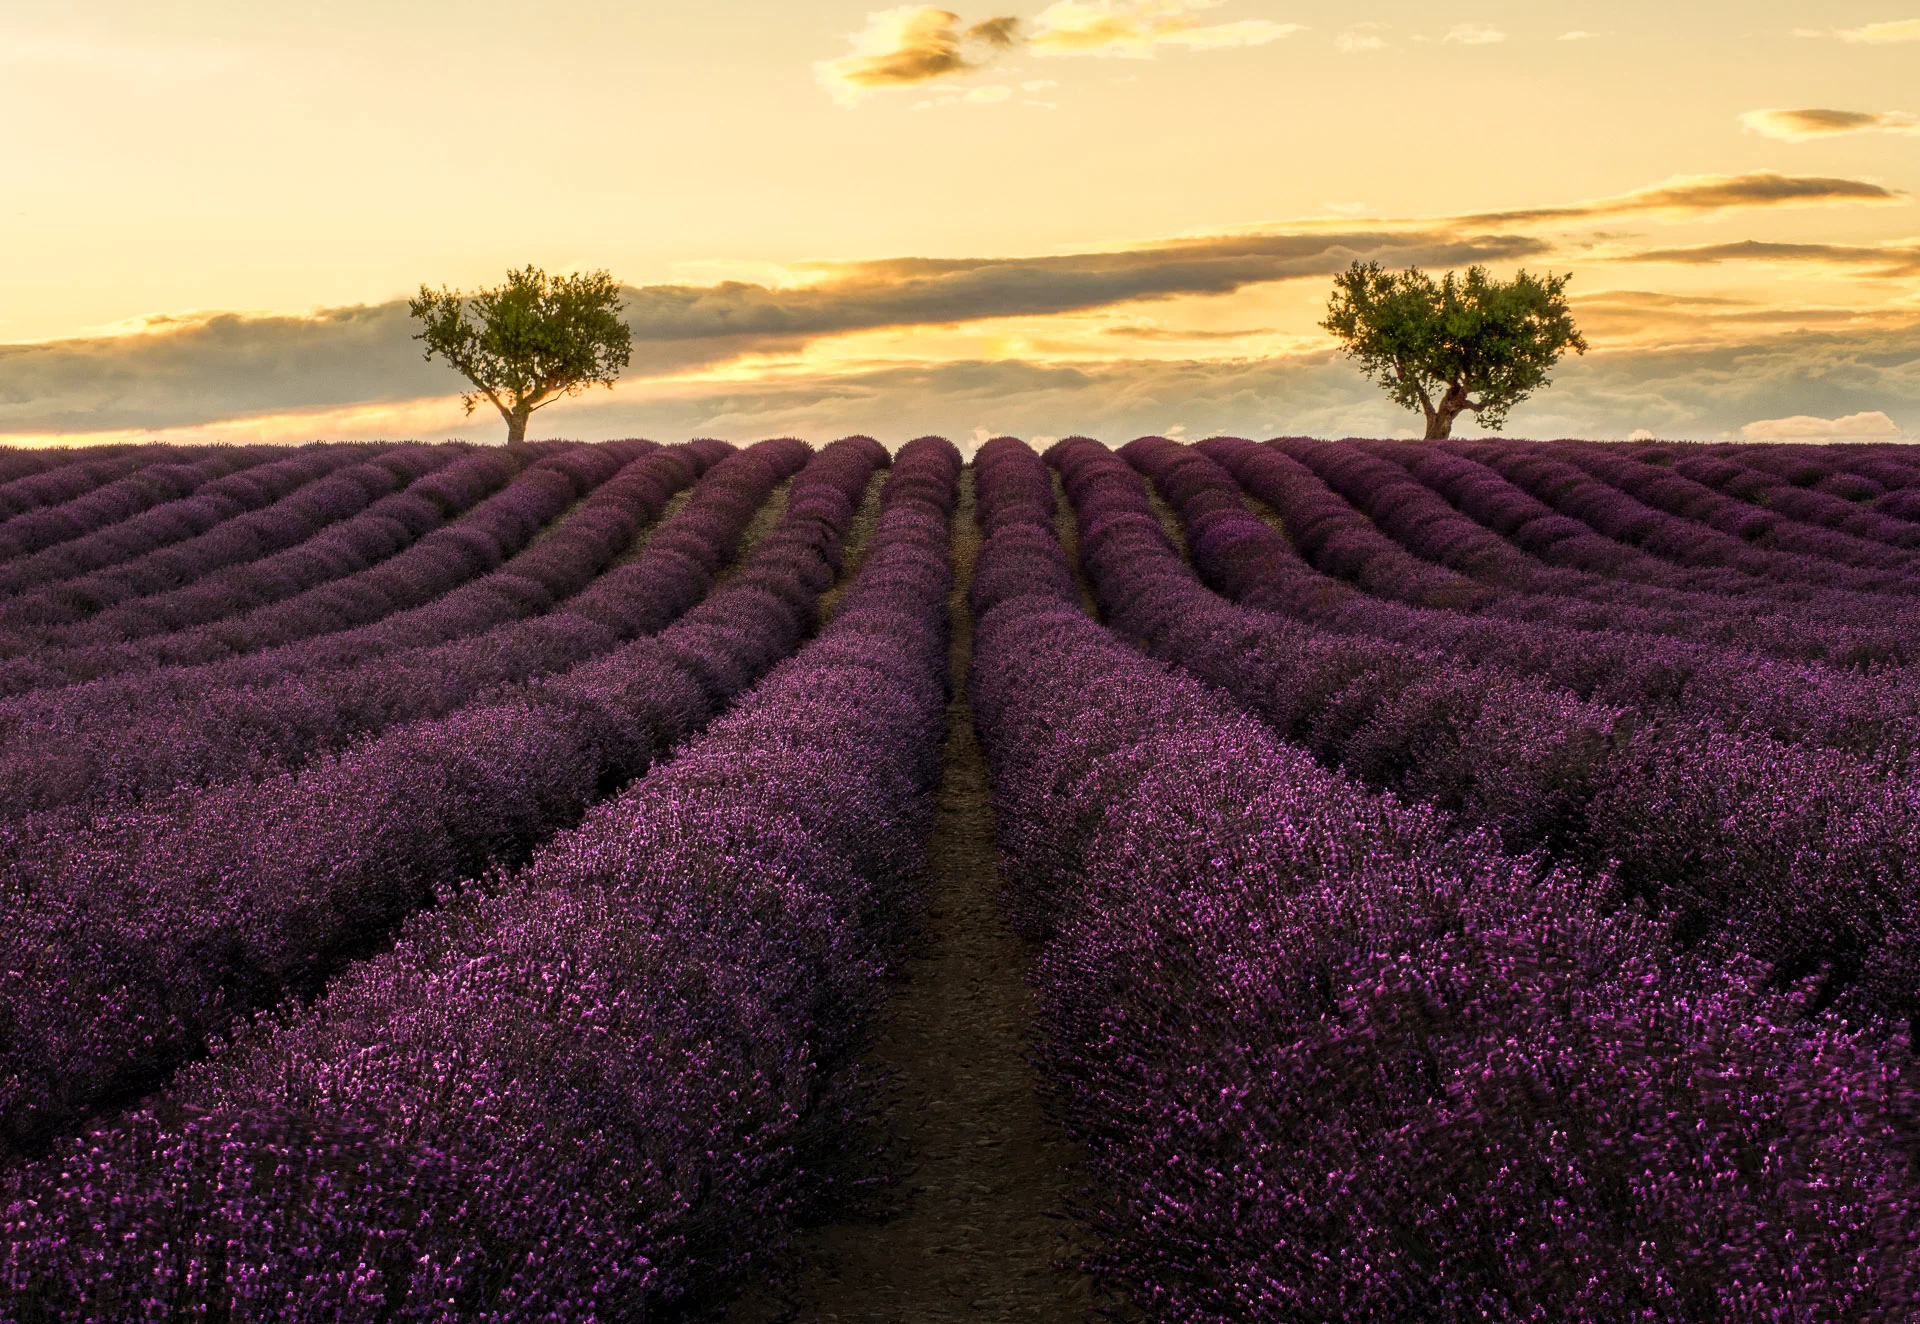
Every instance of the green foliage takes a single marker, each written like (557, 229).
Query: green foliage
(529, 342)
(1478, 344)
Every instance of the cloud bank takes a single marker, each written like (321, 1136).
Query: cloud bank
(202, 370)
(1868, 425)
(739, 355)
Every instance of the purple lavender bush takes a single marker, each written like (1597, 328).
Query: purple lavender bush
(549, 608)
(601, 1089)
(153, 929)
(1333, 1062)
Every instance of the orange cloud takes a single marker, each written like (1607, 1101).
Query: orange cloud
(1807, 427)
(910, 45)
(1133, 29)
(1879, 259)
(1694, 195)
(1799, 125)
(1906, 29)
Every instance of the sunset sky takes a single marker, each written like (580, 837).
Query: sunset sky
(1103, 216)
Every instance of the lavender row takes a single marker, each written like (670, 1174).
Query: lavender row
(87, 471)
(1761, 485)
(1422, 521)
(1804, 860)
(17, 462)
(190, 516)
(86, 751)
(1701, 595)
(600, 1090)
(137, 939)
(1875, 715)
(343, 524)
(401, 552)
(1793, 541)
(1667, 517)
(468, 497)
(1330, 1061)
(116, 502)
(36, 616)
(469, 613)
(1634, 590)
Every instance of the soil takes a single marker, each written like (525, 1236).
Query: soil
(853, 548)
(975, 1229)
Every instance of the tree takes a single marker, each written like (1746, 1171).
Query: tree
(1478, 344)
(529, 342)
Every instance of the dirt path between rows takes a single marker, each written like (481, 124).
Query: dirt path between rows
(974, 1230)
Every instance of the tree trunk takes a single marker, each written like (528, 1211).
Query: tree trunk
(1440, 421)
(516, 425)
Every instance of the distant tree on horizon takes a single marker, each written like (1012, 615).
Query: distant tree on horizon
(531, 341)
(1476, 345)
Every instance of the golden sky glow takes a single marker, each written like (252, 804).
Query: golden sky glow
(1110, 216)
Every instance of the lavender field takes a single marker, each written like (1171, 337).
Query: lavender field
(1239, 881)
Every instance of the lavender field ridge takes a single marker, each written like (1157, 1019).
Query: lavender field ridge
(1453, 880)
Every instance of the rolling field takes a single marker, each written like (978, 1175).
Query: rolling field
(1274, 881)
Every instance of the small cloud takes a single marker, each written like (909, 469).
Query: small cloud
(1577, 35)
(1873, 423)
(1906, 29)
(1360, 37)
(1705, 195)
(1799, 125)
(1133, 29)
(909, 45)
(1177, 432)
(1876, 260)
(1474, 34)
(986, 95)
(1038, 84)
(1640, 434)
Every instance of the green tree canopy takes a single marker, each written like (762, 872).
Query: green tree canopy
(529, 342)
(1475, 345)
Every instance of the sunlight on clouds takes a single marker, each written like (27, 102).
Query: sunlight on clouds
(909, 45)
(1871, 424)
(1474, 34)
(1646, 319)
(1906, 29)
(981, 95)
(772, 275)
(1132, 29)
(1800, 125)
